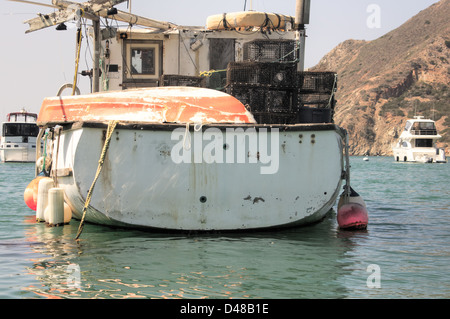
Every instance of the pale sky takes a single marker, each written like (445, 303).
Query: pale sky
(34, 66)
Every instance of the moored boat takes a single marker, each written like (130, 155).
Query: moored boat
(248, 144)
(164, 171)
(417, 143)
(18, 139)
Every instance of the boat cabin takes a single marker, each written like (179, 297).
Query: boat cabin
(424, 127)
(22, 116)
(419, 132)
(257, 65)
(20, 129)
(20, 125)
(141, 57)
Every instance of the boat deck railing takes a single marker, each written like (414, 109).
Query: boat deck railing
(424, 132)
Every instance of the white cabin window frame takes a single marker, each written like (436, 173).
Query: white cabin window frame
(139, 46)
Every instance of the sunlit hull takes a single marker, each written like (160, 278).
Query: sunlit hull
(140, 185)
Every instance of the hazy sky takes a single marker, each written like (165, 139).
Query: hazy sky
(35, 65)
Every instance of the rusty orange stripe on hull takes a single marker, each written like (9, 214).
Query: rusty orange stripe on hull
(155, 105)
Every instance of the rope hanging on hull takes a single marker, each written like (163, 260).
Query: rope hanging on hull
(111, 127)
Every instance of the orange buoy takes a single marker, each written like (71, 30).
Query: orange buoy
(67, 213)
(31, 192)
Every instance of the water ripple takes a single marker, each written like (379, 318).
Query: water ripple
(408, 238)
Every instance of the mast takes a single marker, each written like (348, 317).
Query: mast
(301, 18)
(96, 59)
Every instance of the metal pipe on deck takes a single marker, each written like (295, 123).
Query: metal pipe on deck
(96, 66)
(301, 18)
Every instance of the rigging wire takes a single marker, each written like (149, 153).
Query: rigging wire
(87, 50)
(125, 63)
(190, 57)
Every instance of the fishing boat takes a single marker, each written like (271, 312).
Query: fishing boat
(417, 143)
(196, 129)
(18, 140)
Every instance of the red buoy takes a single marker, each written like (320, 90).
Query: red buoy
(352, 212)
(352, 216)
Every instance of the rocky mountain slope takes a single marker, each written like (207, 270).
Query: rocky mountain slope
(383, 82)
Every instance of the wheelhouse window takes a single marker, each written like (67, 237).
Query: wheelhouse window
(424, 142)
(143, 60)
(22, 129)
(423, 128)
(407, 126)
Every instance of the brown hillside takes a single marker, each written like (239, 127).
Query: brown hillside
(383, 82)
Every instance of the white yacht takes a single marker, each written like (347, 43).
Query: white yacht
(417, 143)
(18, 141)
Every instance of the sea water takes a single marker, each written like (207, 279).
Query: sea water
(404, 253)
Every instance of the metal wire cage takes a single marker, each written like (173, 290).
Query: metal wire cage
(269, 51)
(280, 75)
(317, 82)
(276, 93)
(182, 80)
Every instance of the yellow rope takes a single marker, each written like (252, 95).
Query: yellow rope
(210, 72)
(111, 127)
(77, 62)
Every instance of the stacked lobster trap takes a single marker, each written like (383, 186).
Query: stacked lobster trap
(182, 80)
(268, 90)
(275, 93)
(268, 84)
(272, 89)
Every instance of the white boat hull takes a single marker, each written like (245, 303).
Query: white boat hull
(419, 155)
(21, 154)
(140, 185)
